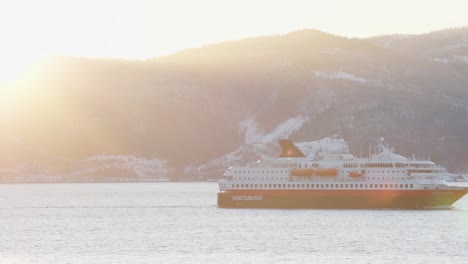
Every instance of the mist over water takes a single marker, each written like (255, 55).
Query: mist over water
(180, 222)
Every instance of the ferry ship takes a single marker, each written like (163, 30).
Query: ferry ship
(336, 179)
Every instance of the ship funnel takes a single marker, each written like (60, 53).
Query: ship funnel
(289, 150)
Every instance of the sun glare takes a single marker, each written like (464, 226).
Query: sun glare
(142, 29)
(13, 69)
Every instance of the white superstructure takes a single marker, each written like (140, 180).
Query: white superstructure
(337, 169)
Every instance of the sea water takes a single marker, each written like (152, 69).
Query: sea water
(180, 223)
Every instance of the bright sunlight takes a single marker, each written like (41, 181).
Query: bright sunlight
(143, 29)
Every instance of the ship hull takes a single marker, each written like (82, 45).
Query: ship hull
(340, 199)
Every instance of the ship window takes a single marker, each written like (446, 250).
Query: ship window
(411, 185)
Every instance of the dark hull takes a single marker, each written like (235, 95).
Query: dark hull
(340, 199)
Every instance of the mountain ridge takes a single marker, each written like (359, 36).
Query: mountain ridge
(191, 107)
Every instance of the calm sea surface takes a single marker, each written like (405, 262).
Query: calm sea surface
(180, 223)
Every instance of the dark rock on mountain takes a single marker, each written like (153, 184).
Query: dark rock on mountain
(195, 106)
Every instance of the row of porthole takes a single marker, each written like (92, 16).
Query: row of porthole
(262, 178)
(322, 185)
(393, 178)
(386, 171)
(260, 171)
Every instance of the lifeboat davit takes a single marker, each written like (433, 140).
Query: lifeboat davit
(326, 172)
(355, 174)
(302, 172)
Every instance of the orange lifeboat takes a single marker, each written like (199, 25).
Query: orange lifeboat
(302, 172)
(326, 172)
(354, 174)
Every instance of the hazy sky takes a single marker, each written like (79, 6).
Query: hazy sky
(138, 29)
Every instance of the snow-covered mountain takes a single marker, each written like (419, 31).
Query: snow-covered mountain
(446, 46)
(96, 168)
(259, 146)
(122, 166)
(250, 153)
(191, 108)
